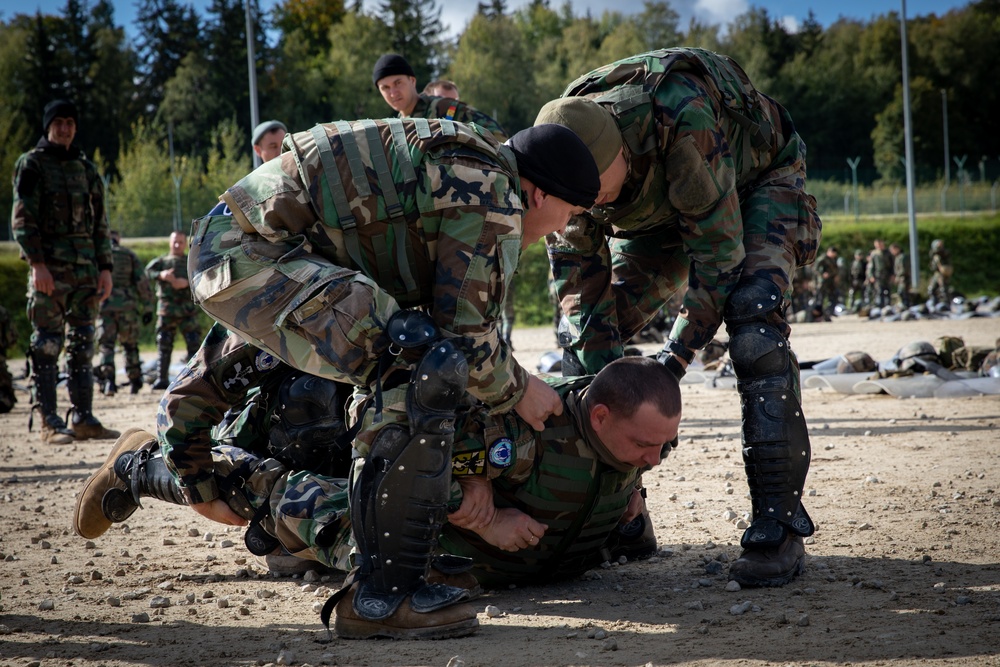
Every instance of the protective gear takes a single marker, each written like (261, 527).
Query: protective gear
(571, 365)
(910, 356)
(310, 423)
(770, 567)
(399, 500)
(165, 346)
(44, 377)
(856, 362)
(80, 350)
(455, 620)
(775, 437)
(133, 470)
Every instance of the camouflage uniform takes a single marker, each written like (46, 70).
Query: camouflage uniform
(939, 287)
(58, 219)
(859, 269)
(311, 255)
(120, 315)
(562, 477)
(174, 310)
(8, 338)
(827, 283)
(715, 194)
(323, 307)
(901, 277)
(878, 278)
(428, 106)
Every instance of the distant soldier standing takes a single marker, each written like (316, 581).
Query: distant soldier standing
(878, 276)
(939, 287)
(828, 280)
(119, 319)
(900, 274)
(58, 221)
(859, 269)
(174, 307)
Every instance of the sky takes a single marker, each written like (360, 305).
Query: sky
(456, 13)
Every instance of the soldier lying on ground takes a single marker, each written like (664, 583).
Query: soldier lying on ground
(535, 505)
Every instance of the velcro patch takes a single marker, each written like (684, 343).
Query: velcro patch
(502, 453)
(468, 463)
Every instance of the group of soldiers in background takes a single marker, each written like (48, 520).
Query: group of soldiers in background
(880, 279)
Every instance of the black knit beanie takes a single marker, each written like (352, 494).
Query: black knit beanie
(390, 64)
(57, 109)
(556, 160)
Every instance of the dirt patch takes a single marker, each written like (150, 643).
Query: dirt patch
(903, 570)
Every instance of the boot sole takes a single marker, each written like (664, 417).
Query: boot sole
(357, 628)
(770, 582)
(123, 444)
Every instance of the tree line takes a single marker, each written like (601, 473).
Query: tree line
(181, 82)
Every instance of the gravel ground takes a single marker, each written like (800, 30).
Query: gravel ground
(903, 570)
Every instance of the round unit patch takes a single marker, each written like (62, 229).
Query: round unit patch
(265, 361)
(502, 453)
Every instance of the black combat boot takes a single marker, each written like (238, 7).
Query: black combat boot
(81, 393)
(44, 378)
(133, 470)
(165, 343)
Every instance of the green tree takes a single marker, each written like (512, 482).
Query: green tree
(489, 67)
(355, 44)
(658, 25)
(414, 33)
(166, 32)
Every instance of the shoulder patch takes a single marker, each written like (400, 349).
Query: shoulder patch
(502, 453)
(265, 361)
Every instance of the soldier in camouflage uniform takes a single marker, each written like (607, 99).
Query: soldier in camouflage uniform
(828, 281)
(8, 338)
(939, 287)
(395, 80)
(702, 178)
(859, 269)
(879, 275)
(58, 220)
(532, 506)
(319, 256)
(120, 315)
(900, 274)
(174, 307)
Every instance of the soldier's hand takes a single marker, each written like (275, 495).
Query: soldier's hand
(217, 510)
(636, 503)
(513, 530)
(42, 280)
(104, 285)
(147, 318)
(477, 507)
(539, 401)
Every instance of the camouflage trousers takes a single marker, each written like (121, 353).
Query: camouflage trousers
(308, 513)
(120, 326)
(939, 288)
(73, 303)
(183, 320)
(316, 316)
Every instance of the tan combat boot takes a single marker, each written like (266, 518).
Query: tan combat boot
(90, 428)
(457, 620)
(89, 518)
(55, 431)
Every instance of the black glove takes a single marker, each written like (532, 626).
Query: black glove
(673, 365)
(571, 366)
(147, 318)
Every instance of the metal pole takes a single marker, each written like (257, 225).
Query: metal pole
(853, 164)
(960, 163)
(251, 66)
(944, 120)
(908, 133)
(175, 178)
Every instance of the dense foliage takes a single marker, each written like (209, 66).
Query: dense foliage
(184, 77)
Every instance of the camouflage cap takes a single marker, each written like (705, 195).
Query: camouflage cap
(592, 123)
(264, 128)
